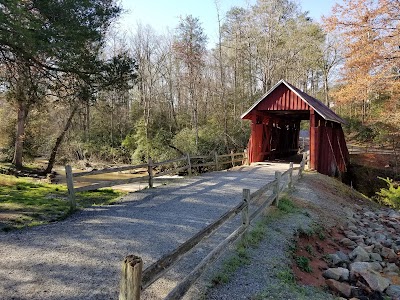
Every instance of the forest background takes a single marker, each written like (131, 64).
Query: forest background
(88, 91)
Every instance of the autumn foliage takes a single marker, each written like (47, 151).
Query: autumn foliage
(369, 35)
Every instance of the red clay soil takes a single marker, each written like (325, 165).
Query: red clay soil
(315, 249)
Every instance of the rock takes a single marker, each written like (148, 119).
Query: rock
(391, 267)
(376, 266)
(394, 215)
(375, 257)
(343, 256)
(394, 292)
(342, 288)
(359, 254)
(369, 249)
(333, 260)
(370, 214)
(336, 274)
(375, 281)
(388, 253)
(387, 243)
(359, 267)
(348, 243)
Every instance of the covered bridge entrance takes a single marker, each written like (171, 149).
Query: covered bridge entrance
(275, 129)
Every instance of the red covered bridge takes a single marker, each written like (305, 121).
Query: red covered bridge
(275, 129)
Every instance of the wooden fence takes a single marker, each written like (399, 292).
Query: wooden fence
(361, 149)
(186, 163)
(133, 280)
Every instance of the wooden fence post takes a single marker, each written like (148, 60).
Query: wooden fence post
(245, 210)
(232, 159)
(290, 175)
(245, 158)
(150, 171)
(278, 176)
(189, 165)
(216, 161)
(131, 279)
(70, 185)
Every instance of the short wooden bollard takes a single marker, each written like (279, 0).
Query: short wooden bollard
(150, 171)
(232, 158)
(70, 185)
(131, 278)
(277, 187)
(290, 175)
(245, 210)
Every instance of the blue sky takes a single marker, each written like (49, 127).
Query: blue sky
(164, 14)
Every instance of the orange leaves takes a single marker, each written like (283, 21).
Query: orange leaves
(369, 31)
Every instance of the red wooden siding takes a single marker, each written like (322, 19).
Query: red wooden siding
(282, 98)
(275, 133)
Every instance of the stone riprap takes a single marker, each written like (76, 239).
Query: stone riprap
(371, 269)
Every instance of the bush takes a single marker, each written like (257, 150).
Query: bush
(389, 196)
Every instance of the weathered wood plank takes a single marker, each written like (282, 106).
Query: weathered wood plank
(166, 162)
(179, 291)
(262, 190)
(201, 156)
(167, 172)
(259, 210)
(204, 164)
(157, 269)
(109, 170)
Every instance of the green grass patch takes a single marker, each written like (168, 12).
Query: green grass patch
(251, 239)
(24, 202)
(303, 263)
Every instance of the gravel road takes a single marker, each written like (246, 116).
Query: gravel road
(80, 258)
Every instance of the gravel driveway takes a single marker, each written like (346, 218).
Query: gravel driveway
(80, 258)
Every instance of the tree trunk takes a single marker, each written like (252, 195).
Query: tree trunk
(59, 140)
(20, 134)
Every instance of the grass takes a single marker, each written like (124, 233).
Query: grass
(252, 239)
(304, 264)
(24, 202)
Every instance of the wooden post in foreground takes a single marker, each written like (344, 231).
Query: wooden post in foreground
(70, 185)
(278, 176)
(131, 279)
(150, 171)
(245, 158)
(245, 210)
(232, 159)
(290, 175)
(189, 165)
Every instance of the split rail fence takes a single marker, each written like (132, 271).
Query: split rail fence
(186, 163)
(134, 280)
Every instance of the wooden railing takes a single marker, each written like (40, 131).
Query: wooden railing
(361, 149)
(133, 280)
(187, 163)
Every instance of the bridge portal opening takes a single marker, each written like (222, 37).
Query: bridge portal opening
(277, 120)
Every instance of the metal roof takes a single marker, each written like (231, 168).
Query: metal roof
(323, 110)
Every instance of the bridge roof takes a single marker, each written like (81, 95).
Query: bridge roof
(323, 110)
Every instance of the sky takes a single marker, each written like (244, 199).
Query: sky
(163, 15)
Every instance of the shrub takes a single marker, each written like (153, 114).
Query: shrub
(389, 196)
